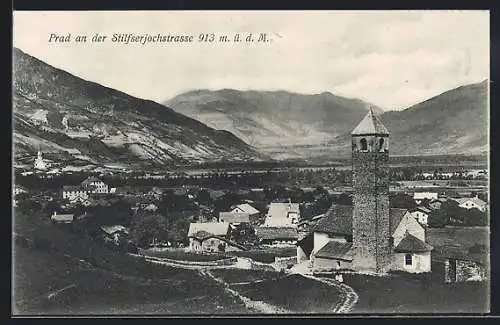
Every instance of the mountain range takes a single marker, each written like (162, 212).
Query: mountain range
(290, 125)
(78, 120)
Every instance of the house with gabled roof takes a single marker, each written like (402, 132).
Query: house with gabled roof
(200, 230)
(245, 208)
(472, 203)
(282, 214)
(421, 213)
(94, 185)
(203, 241)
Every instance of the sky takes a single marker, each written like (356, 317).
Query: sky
(393, 59)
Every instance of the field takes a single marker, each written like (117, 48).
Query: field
(99, 291)
(458, 238)
(409, 294)
(294, 293)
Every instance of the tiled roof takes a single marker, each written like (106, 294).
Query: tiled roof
(112, 229)
(281, 210)
(411, 244)
(214, 228)
(73, 188)
(395, 217)
(335, 250)
(370, 124)
(247, 208)
(270, 233)
(338, 220)
(231, 217)
(62, 217)
(423, 209)
(91, 179)
(475, 200)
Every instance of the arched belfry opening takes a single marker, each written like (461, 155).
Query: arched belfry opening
(364, 145)
(381, 145)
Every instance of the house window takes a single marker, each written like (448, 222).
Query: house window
(408, 259)
(364, 145)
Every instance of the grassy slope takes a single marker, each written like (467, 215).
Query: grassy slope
(113, 283)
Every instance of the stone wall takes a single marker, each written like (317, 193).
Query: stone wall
(465, 271)
(371, 229)
(327, 265)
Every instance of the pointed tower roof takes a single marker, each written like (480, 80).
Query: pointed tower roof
(370, 125)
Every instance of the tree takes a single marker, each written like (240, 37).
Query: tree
(343, 199)
(244, 234)
(148, 228)
(402, 201)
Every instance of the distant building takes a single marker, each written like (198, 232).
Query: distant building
(219, 229)
(115, 233)
(437, 203)
(420, 196)
(472, 203)
(39, 163)
(245, 208)
(203, 241)
(62, 218)
(19, 190)
(94, 185)
(74, 193)
(282, 215)
(421, 214)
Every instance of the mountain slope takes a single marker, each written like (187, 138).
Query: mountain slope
(64, 114)
(289, 125)
(268, 119)
(455, 121)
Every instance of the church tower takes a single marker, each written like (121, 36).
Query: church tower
(371, 228)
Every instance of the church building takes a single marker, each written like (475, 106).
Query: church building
(370, 236)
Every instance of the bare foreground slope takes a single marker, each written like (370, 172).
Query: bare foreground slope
(60, 272)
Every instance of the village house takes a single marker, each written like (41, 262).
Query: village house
(245, 208)
(472, 203)
(115, 233)
(203, 241)
(420, 196)
(421, 214)
(219, 229)
(94, 185)
(282, 215)
(40, 163)
(277, 235)
(19, 190)
(369, 235)
(74, 193)
(437, 203)
(63, 218)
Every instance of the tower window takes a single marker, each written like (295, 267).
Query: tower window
(363, 144)
(381, 144)
(408, 259)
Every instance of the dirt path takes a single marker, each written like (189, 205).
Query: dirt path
(348, 297)
(258, 306)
